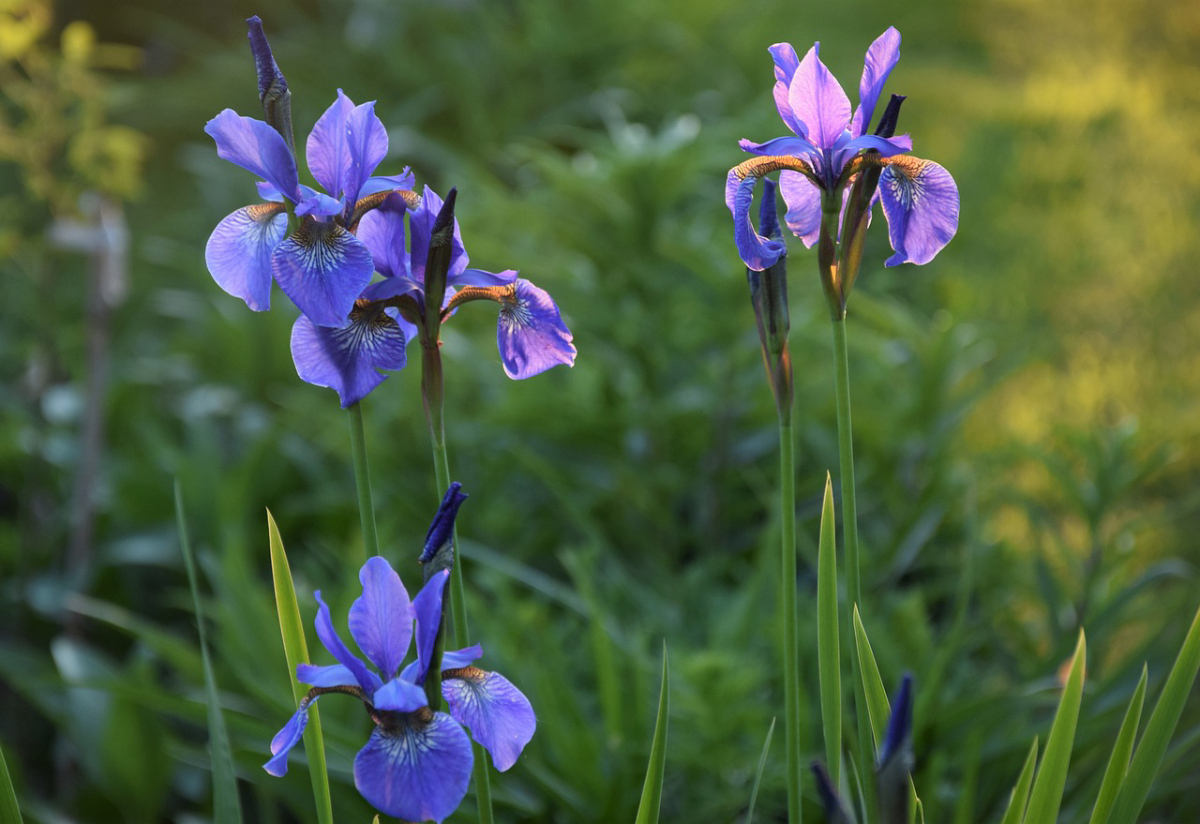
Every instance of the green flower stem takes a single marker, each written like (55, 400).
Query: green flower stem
(846, 461)
(866, 751)
(431, 389)
(791, 652)
(362, 480)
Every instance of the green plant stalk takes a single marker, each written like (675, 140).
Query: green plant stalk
(362, 480)
(791, 651)
(828, 652)
(866, 753)
(431, 390)
(846, 461)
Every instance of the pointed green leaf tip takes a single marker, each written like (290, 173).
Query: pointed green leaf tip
(1118, 762)
(1052, 774)
(828, 650)
(295, 649)
(226, 806)
(1159, 729)
(649, 806)
(1015, 813)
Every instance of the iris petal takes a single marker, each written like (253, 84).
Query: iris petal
(755, 250)
(530, 333)
(818, 99)
(382, 231)
(786, 63)
(322, 268)
(238, 253)
(427, 609)
(348, 361)
(795, 146)
(326, 149)
(400, 695)
(421, 225)
(498, 714)
(803, 200)
(478, 277)
(367, 141)
(403, 181)
(881, 58)
(334, 675)
(287, 738)
(257, 148)
(920, 201)
(381, 618)
(366, 679)
(417, 771)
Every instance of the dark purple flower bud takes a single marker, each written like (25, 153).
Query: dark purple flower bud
(272, 87)
(437, 262)
(896, 757)
(769, 297)
(887, 123)
(439, 549)
(835, 811)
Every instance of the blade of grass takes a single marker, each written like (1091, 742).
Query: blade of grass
(295, 649)
(648, 807)
(1118, 762)
(10, 813)
(762, 764)
(1159, 729)
(226, 806)
(829, 663)
(1051, 777)
(1015, 813)
(876, 694)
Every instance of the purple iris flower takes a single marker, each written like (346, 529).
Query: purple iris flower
(321, 266)
(417, 763)
(530, 333)
(919, 197)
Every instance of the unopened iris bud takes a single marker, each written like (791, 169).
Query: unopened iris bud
(887, 122)
(835, 810)
(437, 265)
(272, 87)
(896, 758)
(769, 297)
(439, 541)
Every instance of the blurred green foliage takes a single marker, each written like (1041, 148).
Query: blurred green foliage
(1024, 406)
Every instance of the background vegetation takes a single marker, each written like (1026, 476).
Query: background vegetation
(1025, 407)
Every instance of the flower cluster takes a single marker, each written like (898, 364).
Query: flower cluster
(324, 248)
(417, 763)
(830, 162)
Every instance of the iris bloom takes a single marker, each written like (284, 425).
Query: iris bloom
(919, 197)
(321, 265)
(417, 763)
(530, 333)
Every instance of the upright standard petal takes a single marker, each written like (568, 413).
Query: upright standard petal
(257, 148)
(323, 269)
(366, 679)
(427, 609)
(381, 618)
(818, 99)
(327, 147)
(786, 63)
(415, 769)
(367, 142)
(348, 361)
(498, 714)
(238, 253)
(421, 224)
(530, 333)
(756, 251)
(920, 201)
(881, 58)
(287, 738)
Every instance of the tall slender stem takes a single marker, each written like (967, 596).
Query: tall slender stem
(866, 752)
(432, 386)
(791, 653)
(846, 461)
(362, 480)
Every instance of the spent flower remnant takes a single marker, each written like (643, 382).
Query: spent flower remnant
(417, 763)
(830, 149)
(320, 265)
